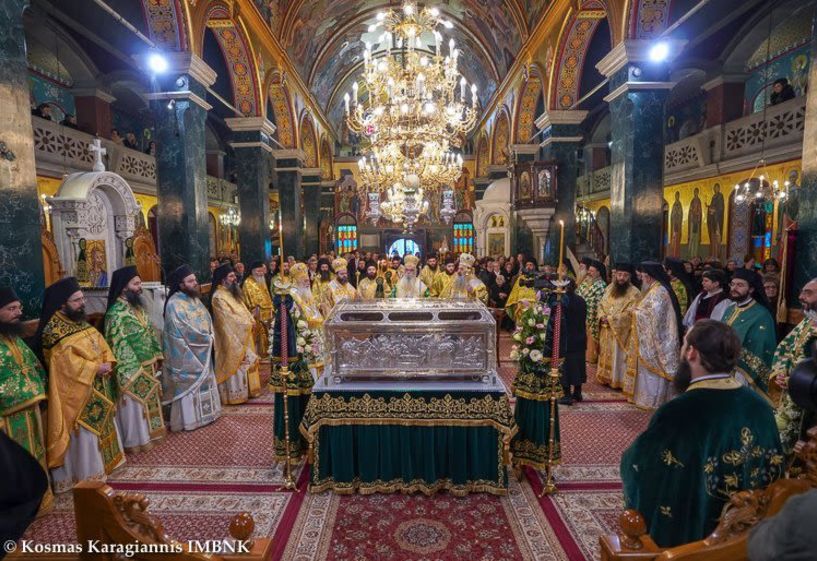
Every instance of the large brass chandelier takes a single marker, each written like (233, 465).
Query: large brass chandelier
(413, 110)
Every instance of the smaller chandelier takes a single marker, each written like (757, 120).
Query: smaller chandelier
(230, 218)
(388, 165)
(405, 203)
(758, 189)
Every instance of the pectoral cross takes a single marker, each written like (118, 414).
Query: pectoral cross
(96, 148)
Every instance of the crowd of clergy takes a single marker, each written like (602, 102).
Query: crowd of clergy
(703, 350)
(79, 397)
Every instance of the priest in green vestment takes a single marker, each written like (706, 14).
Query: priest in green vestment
(716, 438)
(138, 359)
(22, 386)
(751, 319)
(794, 348)
(591, 289)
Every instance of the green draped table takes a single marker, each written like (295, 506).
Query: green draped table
(378, 437)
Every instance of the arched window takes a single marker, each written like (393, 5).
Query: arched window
(346, 234)
(463, 233)
(403, 247)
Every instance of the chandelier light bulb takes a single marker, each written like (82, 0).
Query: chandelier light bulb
(447, 24)
(434, 12)
(381, 16)
(408, 9)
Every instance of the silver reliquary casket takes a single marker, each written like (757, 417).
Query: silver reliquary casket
(404, 339)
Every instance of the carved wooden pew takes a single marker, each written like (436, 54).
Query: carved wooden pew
(109, 518)
(729, 540)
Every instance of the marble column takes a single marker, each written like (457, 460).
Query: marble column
(311, 187)
(638, 90)
(21, 262)
(805, 267)
(251, 143)
(288, 176)
(180, 111)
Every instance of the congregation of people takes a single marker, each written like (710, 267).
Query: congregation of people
(79, 398)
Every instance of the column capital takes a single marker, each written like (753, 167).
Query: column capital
(311, 172)
(549, 118)
(634, 51)
(93, 92)
(181, 94)
(251, 124)
(192, 65)
(525, 149)
(722, 79)
(290, 154)
(638, 86)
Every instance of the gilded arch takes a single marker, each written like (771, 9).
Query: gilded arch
(282, 109)
(483, 155)
(502, 137)
(167, 23)
(572, 51)
(529, 95)
(326, 158)
(309, 140)
(648, 18)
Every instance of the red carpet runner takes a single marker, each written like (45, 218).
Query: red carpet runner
(198, 481)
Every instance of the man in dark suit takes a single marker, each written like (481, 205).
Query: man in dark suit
(574, 339)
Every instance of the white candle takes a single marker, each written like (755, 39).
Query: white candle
(462, 88)
(474, 94)
(346, 101)
(354, 93)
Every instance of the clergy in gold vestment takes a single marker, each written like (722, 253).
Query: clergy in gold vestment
(310, 311)
(521, 296)
(371, 286)
(652, 358)
(445, 280)
(320, 284)
(22, 387)
(339, 288)
(259, 301)
(430, 271)
(236, 361)
(615, 323)
(83, 441)
(410, 285)
(467, 285)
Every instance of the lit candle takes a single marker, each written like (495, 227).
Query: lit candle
(462, 88)
(474, 94)
(561, 247)
(346, 101)
(354, 93)
(451, 47)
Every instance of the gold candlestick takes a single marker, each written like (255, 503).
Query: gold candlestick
(561, 247)
(549, 486)
(289, 483)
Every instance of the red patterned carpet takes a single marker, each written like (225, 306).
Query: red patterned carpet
(198, 481)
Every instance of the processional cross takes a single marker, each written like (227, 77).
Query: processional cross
(96, 148)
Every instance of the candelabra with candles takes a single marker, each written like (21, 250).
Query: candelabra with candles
(554, 375)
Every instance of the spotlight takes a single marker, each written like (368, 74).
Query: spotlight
(157, 63)
(659, 52)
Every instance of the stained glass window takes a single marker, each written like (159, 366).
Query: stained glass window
(346, 235)
(463, 237)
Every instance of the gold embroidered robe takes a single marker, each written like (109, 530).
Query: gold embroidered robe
(652, 357)
(367, 289)
(234, 342)
(442, 285)
(475, 290)
(615, 323)
(513, 307)
(257, 297)
(427, 275)
(77, 396)
(334, 293)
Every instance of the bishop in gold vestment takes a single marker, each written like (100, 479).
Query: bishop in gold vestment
(236, 361)
(371, 286)
(310, 312)
(615, 324)
(652, 358)
(22, 387)
(259, 301)
(445, 280)
(520, 297)
(468, 286)
(430, 271)
(83, 441)
(339, 288)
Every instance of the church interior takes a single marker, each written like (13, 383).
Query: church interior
(409, 280)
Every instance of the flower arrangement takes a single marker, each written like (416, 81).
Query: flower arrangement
(307, 341)
(529, 338)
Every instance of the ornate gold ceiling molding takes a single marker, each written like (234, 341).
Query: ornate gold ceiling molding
(363, 16)
(260, 30)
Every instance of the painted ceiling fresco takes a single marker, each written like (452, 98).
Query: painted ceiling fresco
(325, 39)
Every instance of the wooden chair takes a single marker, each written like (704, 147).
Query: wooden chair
(52, 266)
(147, 259)
(110, 517)
(729, 540)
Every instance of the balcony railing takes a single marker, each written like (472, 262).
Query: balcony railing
(63, 149)
(778, 133)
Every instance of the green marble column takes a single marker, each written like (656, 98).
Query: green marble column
(311, 186)
(638, 90)
(288, 175)
(21, 263)
(180, 111)
(561, 142)
(251, 142)
(805, 267)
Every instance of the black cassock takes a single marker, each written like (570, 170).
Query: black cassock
(574, 340)
(23, 487)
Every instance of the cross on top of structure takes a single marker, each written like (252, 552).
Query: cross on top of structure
(96, 148)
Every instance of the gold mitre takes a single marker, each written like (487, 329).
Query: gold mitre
(410, 260)
(299, 272)
(467, 260)
(339, 264)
